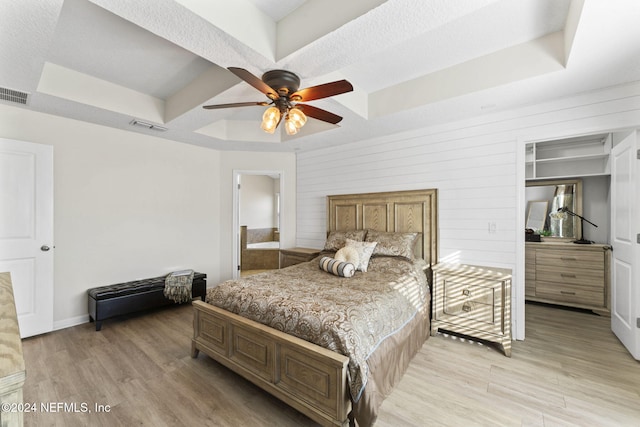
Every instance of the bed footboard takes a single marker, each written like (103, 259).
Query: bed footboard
(305, 376)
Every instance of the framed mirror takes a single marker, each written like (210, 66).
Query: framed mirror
(556, 194)
(537, 215)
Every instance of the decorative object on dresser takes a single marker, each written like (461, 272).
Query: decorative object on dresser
(473, 301)
(12, 368)
(581, 240)
(292, 256)
(537, 215)
(558, 194)
(566, 274)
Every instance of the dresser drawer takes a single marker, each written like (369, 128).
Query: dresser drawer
(581, 295)
(573, 276)
(565, 273)
(570, 259)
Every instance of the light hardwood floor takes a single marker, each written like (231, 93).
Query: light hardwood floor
(570, 371)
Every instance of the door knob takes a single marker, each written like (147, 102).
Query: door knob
(44, 248)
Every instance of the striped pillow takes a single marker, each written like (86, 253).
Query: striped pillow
(338, 268)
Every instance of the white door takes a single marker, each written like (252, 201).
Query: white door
(625, 289)
(26, 231)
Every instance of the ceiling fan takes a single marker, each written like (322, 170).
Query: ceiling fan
(281, 87)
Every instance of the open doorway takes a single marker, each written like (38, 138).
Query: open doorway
(257, 221)
(568, 253)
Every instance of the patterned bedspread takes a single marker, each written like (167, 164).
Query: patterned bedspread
(350, 316)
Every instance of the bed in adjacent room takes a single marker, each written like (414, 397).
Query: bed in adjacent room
(333, 347)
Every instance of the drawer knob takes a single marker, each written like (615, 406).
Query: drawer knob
(466, 307)
(466, 292)
(567, 258)
(568, 275)
(567, 293)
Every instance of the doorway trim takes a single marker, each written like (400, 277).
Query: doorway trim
(237, 173)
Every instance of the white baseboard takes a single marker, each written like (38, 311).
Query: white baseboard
(72, 321)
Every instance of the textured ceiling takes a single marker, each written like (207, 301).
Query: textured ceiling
(413, 63)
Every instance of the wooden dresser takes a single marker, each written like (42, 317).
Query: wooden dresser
(12, 369)
(474, 301)
(570, 274)
(294, 256)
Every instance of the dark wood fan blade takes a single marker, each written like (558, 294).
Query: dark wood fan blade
(254, 81)
(236, 104)
(319, 113)
(322, 91)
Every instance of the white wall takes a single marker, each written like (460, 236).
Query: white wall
(476, 165)
(131, 206)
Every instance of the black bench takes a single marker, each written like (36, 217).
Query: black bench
(125, 298)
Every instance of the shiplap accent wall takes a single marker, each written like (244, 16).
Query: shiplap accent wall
(475, 177)
(477, 166)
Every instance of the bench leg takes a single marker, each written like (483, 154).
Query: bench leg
(98, 325)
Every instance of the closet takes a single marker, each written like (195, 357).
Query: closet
(567, 252)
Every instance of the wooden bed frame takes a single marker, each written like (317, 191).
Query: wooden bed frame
(305, 376)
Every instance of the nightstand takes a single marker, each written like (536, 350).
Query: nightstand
(473, 301)
(292, 256)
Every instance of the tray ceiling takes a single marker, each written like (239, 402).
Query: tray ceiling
(413, 63)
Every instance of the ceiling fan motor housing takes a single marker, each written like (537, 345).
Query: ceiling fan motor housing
(283, 81)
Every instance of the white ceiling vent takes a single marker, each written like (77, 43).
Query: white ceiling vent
(13, 95)
(147, 125)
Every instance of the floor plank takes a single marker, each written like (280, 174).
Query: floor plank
(570, 371)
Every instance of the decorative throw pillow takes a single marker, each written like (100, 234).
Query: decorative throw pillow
(336, 239)
(348, 254)
(365, 250)
(393, 244)
(338, 268)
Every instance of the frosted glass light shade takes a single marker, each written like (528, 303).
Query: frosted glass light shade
(290, 126)
(270, 119)
(297, 117)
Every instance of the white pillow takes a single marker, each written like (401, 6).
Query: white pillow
(348, 254)
(365, 250)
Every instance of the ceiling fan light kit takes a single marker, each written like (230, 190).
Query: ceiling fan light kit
(281, 87)
(270, 119)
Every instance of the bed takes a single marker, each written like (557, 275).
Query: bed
(259, 248)
(347, 385)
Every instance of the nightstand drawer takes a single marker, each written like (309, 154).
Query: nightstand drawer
(478, 290)
(471, 310)
(476, 301)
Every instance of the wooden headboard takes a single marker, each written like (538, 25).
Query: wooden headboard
(413, 211)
